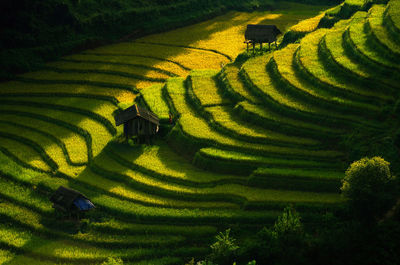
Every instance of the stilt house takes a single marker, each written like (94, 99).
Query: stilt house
(261, 34)
(70, 201)
(138, 121)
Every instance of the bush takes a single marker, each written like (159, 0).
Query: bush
(284, 243)
(370, 188)
(224, 249)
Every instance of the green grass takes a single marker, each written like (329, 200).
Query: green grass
(310, 62)
(380, 34)
(24, 153)
(199, 130)
(204, 87)
(235, 126)
(152, 97)
(357, 40)
(99, 134)
(160, 63)
(244, 159)
(333, 53)
(73, 144)
(16, 87)
(264, 116)
(233, 87)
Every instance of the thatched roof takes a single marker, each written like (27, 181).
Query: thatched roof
(134, 112)
(262, 33)
(68, 199)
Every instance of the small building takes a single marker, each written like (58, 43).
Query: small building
(261, 34)
(139, 122)
(70, 201)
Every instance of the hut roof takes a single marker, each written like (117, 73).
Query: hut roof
(65, 198)
(133, 112)
(262, 33)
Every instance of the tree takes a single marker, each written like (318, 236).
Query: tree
(224, 249)
(370, 188)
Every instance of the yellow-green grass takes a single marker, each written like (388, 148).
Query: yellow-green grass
(108, 80)
(232, 156)
(48, 145)
(6, 256)
(113, 226)
(121, 208)
(74, 143)
(24, 196)
(329, 104)
(203, 84)
(225, 33)
(392, 13)
(167, 65)
(91, 105)
(358, 40)
(229, 121)
(137, 195)
(24, 153)
(200, 130)
(309, 60)
(279, 97)
(68, 250)
(332, 48)
(251, 194)
(16, 87)
(162, 160)
(307, 25)
(280, 120)
(190, 58)
(153, 97)
(314, 174)
(230, 76)
(380, 33)
(133, 71)
(99, 134)
(307, 52)
(254, 68)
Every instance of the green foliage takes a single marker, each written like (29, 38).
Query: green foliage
(224, 249)
(113, 261)
(370, 187)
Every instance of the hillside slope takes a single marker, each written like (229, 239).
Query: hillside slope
(248, 140)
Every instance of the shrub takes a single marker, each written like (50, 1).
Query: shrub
(370, 187)
(224, 249)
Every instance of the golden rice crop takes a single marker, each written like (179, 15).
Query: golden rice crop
(255, 69)
(52, 149)
(205, 88)
(198, 128)
(228, 120)
(25, 153)
(308, 25)
(165, 161)
(153, 97)
(100, 135)
(74, 143)
(22, 87)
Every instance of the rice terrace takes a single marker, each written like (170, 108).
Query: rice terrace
(200, 132)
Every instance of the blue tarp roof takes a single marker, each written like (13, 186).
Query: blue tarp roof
(83, 204)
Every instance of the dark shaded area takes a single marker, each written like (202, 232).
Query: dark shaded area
(33, 32)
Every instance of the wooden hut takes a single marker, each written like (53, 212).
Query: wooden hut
(139, 122)
(261, 34)
(70, 201)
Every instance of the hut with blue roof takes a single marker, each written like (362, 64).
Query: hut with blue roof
(70, 201)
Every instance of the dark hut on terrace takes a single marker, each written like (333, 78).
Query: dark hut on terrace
(139, 122)
(261, 34)
(70, 201)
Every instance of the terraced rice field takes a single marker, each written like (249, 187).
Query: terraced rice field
(248, 139)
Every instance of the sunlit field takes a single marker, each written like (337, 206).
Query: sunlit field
(238, 140)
